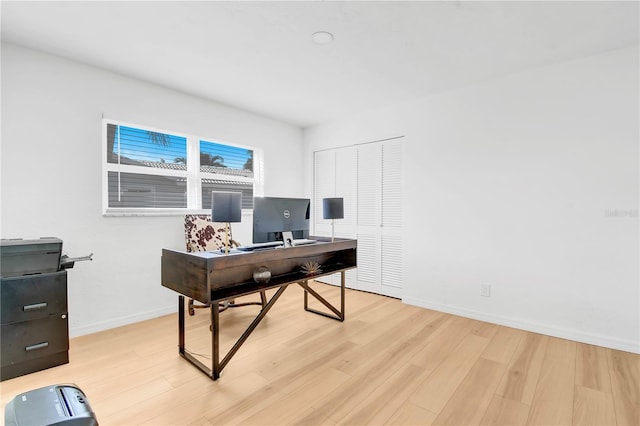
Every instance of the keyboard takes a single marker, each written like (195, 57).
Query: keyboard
(303, 241)
(260, 246)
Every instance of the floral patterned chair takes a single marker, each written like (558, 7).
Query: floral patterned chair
(201, 234)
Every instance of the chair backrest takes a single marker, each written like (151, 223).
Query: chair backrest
(203, 235)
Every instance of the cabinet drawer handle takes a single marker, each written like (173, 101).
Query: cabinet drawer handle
(36, 346)
(34, 307)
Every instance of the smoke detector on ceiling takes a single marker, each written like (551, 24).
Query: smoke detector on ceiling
(322, 37)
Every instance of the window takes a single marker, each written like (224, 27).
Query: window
(157, 172)
(225, 168)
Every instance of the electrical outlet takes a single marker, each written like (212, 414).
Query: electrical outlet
(485, 290)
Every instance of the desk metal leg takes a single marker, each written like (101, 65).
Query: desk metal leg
(181, 324)
(217, 364)
(215, 341)
(181, 340)
(249, 329)
(339, 314)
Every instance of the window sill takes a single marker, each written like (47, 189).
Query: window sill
(160, 212)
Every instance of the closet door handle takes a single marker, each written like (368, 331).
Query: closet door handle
(34, 306)
(36, 346)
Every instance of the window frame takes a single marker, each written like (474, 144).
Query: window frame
(193, 175)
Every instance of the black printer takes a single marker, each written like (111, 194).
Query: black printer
(64, 405)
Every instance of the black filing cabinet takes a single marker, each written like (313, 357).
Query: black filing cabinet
(35, 326)
(34, 323)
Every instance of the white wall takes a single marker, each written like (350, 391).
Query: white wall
(52, 176)
(528, 183)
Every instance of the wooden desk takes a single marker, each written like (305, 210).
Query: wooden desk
(212, 277)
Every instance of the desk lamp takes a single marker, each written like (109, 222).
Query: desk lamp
(226, 207)
(332, 208)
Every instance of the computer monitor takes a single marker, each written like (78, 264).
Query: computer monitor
(272, 216)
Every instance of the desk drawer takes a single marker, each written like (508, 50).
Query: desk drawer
(33, 296)
(26, 340)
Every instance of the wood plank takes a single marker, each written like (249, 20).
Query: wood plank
(592, 407)
(519, 382)
(387, 348)
(484, 329)
(443, 342)
(286, 383)
(436, 390)
(410, 415)
(338, 405)
(592, 369)
(308, 417)
(380, 406)
(625, 385)
(503, 345)
(284, 407)
(505, 412)
(553, 400)
(469, 402)
(202, 421)
(179, 401)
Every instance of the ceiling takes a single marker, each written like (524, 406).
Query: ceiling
(259, 57)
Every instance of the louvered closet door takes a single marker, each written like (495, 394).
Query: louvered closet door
(379, 227)
(368, 225)
(391, 243)
(369, 178)
(345, 187)
(334, 176)
(324, 186)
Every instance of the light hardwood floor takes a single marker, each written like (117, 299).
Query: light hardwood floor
(388, 363)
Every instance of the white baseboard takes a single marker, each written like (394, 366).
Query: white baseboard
(564, 333)
(120, 321)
